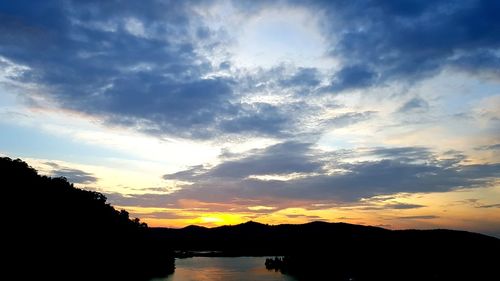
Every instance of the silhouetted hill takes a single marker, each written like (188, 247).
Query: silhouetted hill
(252, 238)
(54, 231)
(341, 251)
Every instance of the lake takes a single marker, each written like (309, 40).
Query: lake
(224, 269)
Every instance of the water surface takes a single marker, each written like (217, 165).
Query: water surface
(224, 269)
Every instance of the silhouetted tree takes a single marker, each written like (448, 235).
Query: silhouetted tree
(56, 231)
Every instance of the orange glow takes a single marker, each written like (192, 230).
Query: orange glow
(433, 210)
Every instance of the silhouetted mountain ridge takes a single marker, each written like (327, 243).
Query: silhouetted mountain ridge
(275, 239)
(342, 251)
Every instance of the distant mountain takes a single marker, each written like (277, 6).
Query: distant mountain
(340, 251)
(252, 238)
(54, 231)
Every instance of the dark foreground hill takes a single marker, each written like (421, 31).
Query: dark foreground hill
(339, 251)
(53, 231)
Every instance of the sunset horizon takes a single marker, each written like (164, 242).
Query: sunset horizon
(216, 113)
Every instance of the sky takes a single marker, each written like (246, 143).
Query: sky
(381, 113)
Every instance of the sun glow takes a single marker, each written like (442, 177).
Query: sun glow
(217, 219)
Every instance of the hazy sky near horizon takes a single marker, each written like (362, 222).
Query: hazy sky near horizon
(218, 112)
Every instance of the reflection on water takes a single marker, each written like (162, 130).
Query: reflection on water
(224, 269)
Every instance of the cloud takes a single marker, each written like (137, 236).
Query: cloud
(479, 62)
(310, 217)
(95, 62)
(283, 158)
(415, 104)
(430, 217)
(379, 41)
(396, 206)
(489, 147)
(261, 119)
(349, 118)
(352, 77)
(298, 174)
(490, 206)
(303, 77)
(134, 66)
(189, 108)
(408, 154)
(73, 175)
(157, 67)
(163, 215)
(403, 206)
(476, 203)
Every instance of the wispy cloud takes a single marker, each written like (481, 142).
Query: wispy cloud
(428, 217)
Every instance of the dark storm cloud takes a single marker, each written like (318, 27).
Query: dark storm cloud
(409, 40)
(323, 176)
